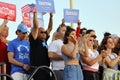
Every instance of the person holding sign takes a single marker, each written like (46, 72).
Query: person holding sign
(38, 47)
(3, 44)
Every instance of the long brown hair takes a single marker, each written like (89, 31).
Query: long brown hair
(67, 33)
(103, 43)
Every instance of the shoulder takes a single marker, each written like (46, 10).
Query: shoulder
(64, 46)
(59, 42)
(12, 41)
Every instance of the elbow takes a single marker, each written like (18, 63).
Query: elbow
(9, 60)
(73, 56)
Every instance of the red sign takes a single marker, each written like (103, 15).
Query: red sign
(26, 18)
(8, 11)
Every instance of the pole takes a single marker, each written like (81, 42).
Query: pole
(71, 7)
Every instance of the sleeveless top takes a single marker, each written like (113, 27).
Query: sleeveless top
(112, 57)
(66, 58)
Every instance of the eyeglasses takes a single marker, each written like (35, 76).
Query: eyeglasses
(43, 32)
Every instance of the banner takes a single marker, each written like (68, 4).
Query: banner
(8, 11)
(71, 15)
(45, 6)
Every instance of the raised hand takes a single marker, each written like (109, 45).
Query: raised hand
(5, 21)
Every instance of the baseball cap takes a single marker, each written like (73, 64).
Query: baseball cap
(22, 27)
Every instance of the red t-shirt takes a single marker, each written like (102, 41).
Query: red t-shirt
(3, 56)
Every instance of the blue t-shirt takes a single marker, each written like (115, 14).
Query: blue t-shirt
(21, 50)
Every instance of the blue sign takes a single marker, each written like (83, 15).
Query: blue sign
(40, 19)
(71, 15)
(45, 6)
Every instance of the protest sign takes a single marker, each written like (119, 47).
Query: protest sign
(45, 6)
(8, 11)
(71, 15)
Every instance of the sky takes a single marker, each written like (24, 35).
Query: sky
(100, 15)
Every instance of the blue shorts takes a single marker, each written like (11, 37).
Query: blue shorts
(72, 72)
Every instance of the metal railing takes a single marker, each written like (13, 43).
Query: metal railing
(52, 74)
(3, 70)
(3, 75)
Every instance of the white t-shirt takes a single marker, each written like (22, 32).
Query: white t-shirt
(56, 46)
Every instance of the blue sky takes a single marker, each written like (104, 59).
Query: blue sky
(100, 15)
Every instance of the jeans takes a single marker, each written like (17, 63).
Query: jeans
(72, 72)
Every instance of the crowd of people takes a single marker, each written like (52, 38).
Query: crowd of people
(73, 54)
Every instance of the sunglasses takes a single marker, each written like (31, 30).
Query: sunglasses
(91, 40)
(24, 32)
(43, 32)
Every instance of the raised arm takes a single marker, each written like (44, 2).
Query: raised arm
(3, 25)
(34, 31)
(50, 24)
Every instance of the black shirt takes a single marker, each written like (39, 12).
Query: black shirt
(38, 52)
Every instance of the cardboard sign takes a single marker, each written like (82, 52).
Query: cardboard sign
(8, 11)
(71, 15)
(45, 6)
(26, 19)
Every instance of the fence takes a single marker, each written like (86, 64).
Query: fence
(2, 70)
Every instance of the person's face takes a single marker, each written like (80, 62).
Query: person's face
(110, 43)
(115, 40)
(90, 42)
(72, 36)
(83, 32)
(96, 44)
(21, 35)
(5, 32)
(62, 31)
(42, 34)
